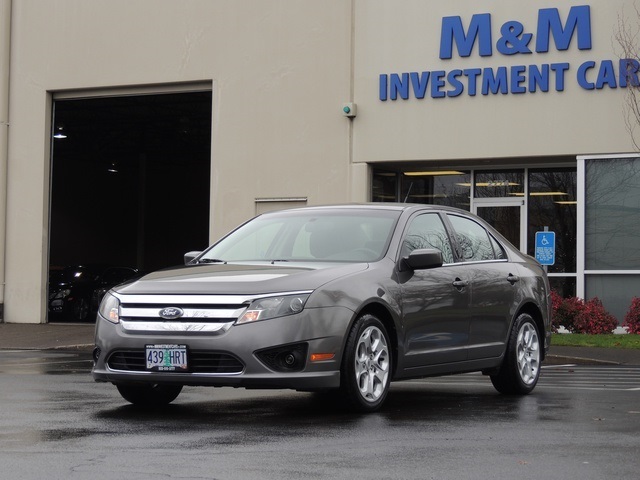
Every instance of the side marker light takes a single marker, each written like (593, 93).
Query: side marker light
(319, 357)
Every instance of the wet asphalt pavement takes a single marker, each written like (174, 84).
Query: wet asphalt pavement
(581, 422)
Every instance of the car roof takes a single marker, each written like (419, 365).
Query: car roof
(372, 206)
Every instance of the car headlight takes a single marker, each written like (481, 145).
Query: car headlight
(61, 294)
(273, 307)
(110, 308)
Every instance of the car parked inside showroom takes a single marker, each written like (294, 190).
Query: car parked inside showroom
(341, 299)
(75, 291)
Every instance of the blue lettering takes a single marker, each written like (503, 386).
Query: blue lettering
(538, 78)
(629, 72)
(549, 23)
(383, 87)
(559, 69)
(399, 86)
(453, 32)
(472, 74)
(513, 39)
(582, 75)
(457, 85)
(606, 75)
(517, 79)
(419, 83)
(495, 83)
(437, 84)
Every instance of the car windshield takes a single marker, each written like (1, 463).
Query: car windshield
(309, 236)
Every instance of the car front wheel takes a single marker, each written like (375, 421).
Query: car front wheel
(153, 395)
(520, 369)
(366, 366)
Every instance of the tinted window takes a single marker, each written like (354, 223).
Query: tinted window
(427, 231)
(472, 238)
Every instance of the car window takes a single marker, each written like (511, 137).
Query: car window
(256, 244)
(427, 231)
(360, 236)
(473, 239)
(498, 249)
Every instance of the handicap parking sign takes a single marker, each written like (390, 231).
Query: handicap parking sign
(546, 247)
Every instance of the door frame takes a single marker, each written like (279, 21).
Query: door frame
(507, 202)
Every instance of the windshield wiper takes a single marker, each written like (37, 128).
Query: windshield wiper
(211, 260)
(274, 261)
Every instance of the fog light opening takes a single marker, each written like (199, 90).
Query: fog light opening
(288, 358)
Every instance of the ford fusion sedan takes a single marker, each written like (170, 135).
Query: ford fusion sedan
(340, 298)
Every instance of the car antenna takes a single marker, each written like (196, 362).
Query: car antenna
(408, 192)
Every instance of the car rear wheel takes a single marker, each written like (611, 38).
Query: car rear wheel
(153, 395)
(520, 369)
(366, 366)
(80, 310)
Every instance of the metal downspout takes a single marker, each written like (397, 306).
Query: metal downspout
(5, 54)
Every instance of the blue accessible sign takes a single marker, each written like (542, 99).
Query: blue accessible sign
(546, 247)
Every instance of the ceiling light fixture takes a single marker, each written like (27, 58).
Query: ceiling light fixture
(434, 173)
(59, 134)
(541, 194)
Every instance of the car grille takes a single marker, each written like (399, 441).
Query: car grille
(205, 308)
(199, 362)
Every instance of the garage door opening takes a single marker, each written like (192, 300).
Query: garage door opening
(129, 192)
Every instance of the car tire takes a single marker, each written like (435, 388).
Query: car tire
(520, 368)
(80, 310)
(152, 395)
(366, 366)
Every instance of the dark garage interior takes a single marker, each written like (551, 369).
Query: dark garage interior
(130, 182)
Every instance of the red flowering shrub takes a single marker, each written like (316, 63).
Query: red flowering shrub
(632, 318)
(565, 311)
(556, 301)
(594, 319)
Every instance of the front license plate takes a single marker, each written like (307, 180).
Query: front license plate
(167, 358)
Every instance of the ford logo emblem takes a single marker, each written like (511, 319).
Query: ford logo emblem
(171, 313)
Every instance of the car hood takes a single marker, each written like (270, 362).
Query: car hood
(237, 279)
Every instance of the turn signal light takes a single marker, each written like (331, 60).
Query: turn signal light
(318, 357)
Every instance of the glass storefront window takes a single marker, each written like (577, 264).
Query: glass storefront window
(450, 188)
(615, 292)
(612, 209)
(384, 187)
(564, 286)
(499, 183)
(552, 204)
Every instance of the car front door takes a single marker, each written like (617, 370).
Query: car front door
(435, 301)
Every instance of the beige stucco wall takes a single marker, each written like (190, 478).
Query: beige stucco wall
(279, 69)
(404, 36)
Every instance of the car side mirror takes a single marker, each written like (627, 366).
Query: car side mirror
(190, 256)
(422, 259)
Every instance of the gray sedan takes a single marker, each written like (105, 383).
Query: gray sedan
(342, 299)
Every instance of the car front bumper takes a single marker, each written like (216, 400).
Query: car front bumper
(319, 330)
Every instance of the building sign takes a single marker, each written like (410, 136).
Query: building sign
(546, 248)
(551, 32)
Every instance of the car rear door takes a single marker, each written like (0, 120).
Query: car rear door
(494, 285)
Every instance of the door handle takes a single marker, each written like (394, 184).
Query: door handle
(513, 278)
(460, 284)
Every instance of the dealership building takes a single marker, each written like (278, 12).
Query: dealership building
(133, 132)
